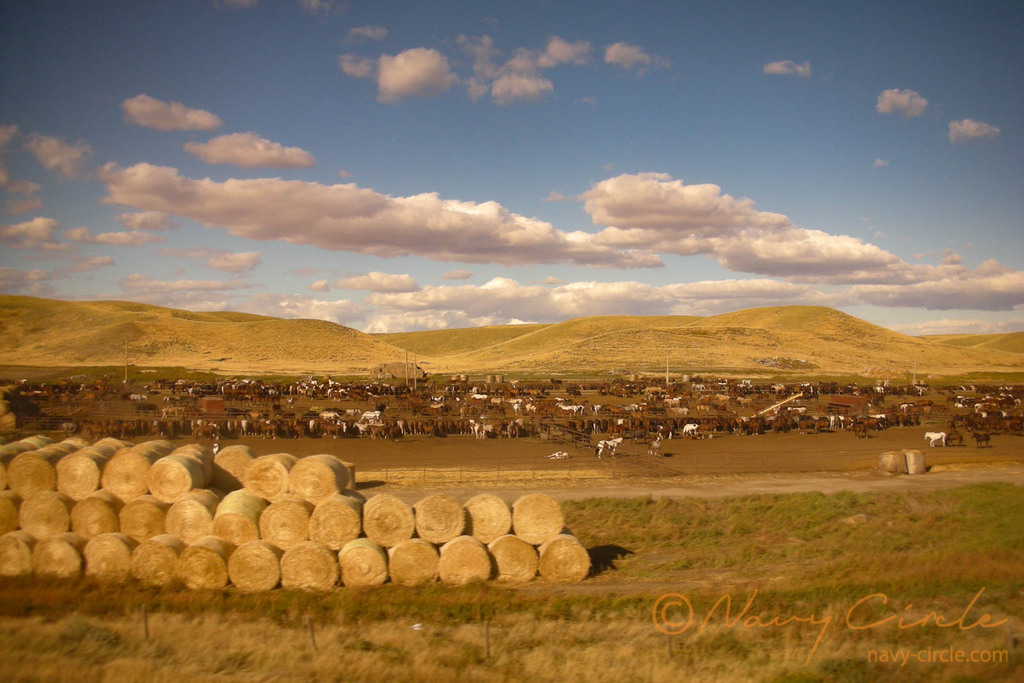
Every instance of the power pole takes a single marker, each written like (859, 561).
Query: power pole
(126, 361)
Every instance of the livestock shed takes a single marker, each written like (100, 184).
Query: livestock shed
(852, 406)
(397, 371)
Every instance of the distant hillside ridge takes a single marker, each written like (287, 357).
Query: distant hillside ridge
(794, 340)
(49, 332)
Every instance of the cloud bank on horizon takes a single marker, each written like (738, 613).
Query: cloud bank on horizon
(393, 171)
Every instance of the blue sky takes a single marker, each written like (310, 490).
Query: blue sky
(393, 166)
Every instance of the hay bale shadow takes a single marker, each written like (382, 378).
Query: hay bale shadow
(602, 557)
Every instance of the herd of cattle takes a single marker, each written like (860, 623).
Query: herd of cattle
(643, 410)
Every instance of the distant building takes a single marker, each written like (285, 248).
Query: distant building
(853, 406)
(397, 371)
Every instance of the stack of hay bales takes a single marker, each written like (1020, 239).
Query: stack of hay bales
(115, 510)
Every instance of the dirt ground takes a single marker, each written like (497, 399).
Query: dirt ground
(726, 466)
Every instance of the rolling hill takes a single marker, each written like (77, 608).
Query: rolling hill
(795, 340)
(47, 332)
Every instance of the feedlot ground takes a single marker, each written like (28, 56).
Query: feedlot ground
(719, 467)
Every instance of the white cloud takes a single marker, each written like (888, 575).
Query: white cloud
(37, 233)
(362, 33)
(249, 150)
(322, 7)
(656, 202)
(83, 264)
(457, 275)
(146, 220)
(908, 103)
(56, 155)
(788, 68)
(149, 112)
(378, 282)
(137, 283)
(419, 72)
(960, 326)
(632, 57)
(226, 261)
(356, 66)
(320, 286)
(518, 79)
(880, 163)
(514, 87)
(989, 287)
(129, 238)
(559, 51)
(18, 281)
(967, 130)
(341, 311)
(347, 217)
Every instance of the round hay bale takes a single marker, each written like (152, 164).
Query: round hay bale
(36, 441)
(108, 445)
(515, 560)
(387, 520)
(351, 467)
(238, 517)
(412, 562)
(109, 556)
(335, 521)
(267, 475)
(16, 553)
(537, 518)
(78, 474)
(10, 503)
(915, 461)
(439, 518)
(155, 560)
(8, 453)
(60, 556)
(563, 559)
(96, 514)
(204, 564)
(143, 517)
(892, 463)
(487, 517)
(363, 563)
(174, 475)
(464, 560)
(255, 566)
(191, 517)
(316, 477)
(285, 522)
(310, 566)
(229, 467)
(46, 514)
(125, 473)
(34, 471)
(201, 452)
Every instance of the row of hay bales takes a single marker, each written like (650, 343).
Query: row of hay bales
(907, 461)
(159, 513)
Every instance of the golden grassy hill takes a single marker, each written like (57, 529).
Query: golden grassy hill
(49, 333)
(802, 339)
(811, 339)
(1009, 341)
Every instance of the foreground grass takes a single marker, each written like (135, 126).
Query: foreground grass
(770, 583)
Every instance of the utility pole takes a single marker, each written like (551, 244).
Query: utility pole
(126, 361)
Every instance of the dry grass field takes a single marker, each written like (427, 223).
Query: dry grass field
(778, 557)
